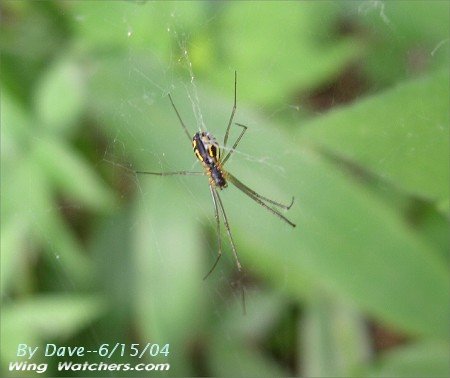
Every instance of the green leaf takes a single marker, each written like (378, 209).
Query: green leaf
(281, 60)
(347, 239)
(72, 174)
(422, 359)
(411, 37)
(12, 245)
(335, 342)
(60, 95)
(167, 251)
(45, 317)
(402, 135)
(229, 358)
(16, 130)
(138, 25)
(29, 202)
(31, 216)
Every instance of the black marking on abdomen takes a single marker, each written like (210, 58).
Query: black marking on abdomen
(217, 176)
(209, 160)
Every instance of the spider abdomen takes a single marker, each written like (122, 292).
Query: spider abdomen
(217, 177)
(207, 151)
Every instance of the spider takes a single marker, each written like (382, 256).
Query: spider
(208, 152)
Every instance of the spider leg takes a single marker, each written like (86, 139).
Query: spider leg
(259, 199)
(245, 188)
(235, 143)
(244, 306)
(227, 227)
(217, 201)
(219, 240)
(184, 173)
(181, 121)
(232, 112)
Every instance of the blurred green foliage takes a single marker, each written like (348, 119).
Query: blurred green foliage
(92, 254)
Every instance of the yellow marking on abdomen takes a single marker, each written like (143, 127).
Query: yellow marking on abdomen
(200, 157)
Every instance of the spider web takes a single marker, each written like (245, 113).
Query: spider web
(144, 134)
(180, 65)
(117, 154)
